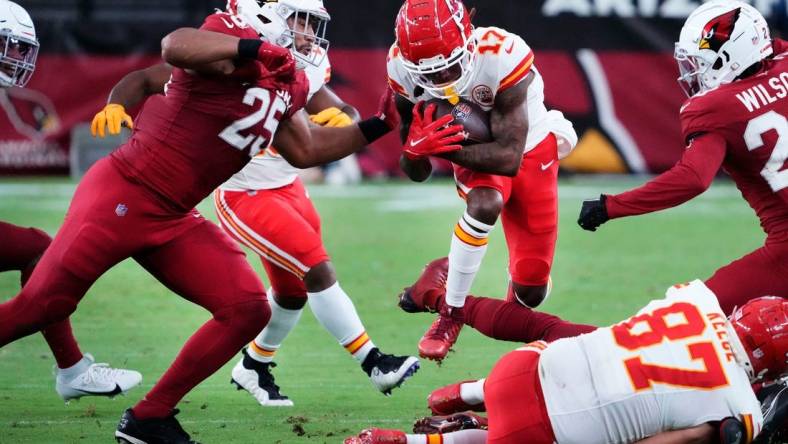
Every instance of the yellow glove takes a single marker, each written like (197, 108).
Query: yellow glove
(112, 116)
(333, 117)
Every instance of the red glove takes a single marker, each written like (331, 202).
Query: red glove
(278, 61)
(428, 137)
(387, 109)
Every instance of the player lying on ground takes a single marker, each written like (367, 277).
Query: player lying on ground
(265, 207)
(20, 248)
(677, 372)
(513, 176)
(735, 118)
(231, 94)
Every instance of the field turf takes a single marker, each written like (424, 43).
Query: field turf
(379, 235)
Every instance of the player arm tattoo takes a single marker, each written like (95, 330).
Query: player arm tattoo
(702, 434)
(417, 170)
(509, 126)
(325, 97)
(135, 86)
(199, 50)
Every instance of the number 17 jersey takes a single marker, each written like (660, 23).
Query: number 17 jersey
(669, 367)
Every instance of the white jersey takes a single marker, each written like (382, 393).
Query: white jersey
(502, 61)
(669, 367)
(269, 170)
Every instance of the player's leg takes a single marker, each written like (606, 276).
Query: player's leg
(485, 196)
(206, 267)
(515, 403)
(386, 436)
(764, 272)
(530, 223)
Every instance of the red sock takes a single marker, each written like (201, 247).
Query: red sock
(510, 321)
(62, 343)
(215, 343)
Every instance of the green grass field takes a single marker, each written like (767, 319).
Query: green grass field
(380, 235)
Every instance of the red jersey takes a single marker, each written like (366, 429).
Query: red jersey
(742, 127)
(205, 128)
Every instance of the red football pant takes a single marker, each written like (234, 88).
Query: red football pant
(111, 219)
(515, 403)
(20, 249)
(530, 212)
(282, 226)
(764, 272)
(512, 321)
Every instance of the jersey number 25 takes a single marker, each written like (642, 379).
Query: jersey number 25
(271, 106)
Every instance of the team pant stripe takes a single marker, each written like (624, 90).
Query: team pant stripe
(435, 438)
(748, 426)
(468, 238)
(264, 352)
(354, 345)
(247, 239)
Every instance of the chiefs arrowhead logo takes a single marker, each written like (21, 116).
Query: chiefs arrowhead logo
(718, 31)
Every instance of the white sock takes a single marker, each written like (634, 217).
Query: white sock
(468, 245)
(472, 436)
(472, 392)
(75, 370)
(270, 339)
(335, 312)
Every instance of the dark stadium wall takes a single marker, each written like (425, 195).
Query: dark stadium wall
(607, 65)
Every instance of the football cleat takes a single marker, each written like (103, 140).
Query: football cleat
(151, 431)
(447, 400)
(439, 339)
(448, 424)
(255, 377)
(95, 380)
(388, 372)
(378, 436)
(426, 293)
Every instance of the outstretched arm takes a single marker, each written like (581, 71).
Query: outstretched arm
(509, 125)
(325, 98)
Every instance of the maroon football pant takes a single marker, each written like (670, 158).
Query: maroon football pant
(764, 272)
(111, 219)
(20, 248)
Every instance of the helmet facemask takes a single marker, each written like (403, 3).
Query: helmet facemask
(691, 68)
(17, 59)
(307, 34)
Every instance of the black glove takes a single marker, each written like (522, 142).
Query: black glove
(774, 405)
(732, 431)
(593, 213)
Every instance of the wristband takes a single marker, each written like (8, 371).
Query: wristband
(373, 129)
(248, 48)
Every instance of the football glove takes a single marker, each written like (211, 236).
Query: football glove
(451, 423)
(593, 213)
(731, 431)
(331, 117)
(428, 137)
(112, 117)
(278, 61)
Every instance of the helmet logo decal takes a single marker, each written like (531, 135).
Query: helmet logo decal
(718, 31)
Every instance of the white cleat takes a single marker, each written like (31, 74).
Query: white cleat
(87, 378)
(388, 372)
(255, 377)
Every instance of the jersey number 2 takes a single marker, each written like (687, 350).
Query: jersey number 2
(773, 172)
(643, 375)
(270, 105)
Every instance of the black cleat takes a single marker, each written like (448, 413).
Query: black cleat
(388, 372)
(151, 431)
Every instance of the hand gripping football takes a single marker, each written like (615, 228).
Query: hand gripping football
(471, 116)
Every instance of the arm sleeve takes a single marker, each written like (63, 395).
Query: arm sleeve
(690, 177)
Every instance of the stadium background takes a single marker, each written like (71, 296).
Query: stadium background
(607, 64)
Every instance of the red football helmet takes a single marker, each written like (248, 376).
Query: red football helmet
(761, 326)
(436, 43)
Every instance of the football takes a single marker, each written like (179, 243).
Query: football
(471, 116)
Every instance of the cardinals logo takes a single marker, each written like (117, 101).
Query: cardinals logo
(718, 31)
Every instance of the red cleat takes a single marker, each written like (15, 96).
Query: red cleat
(428, 290)
(378, 436)
(436, 343)
(447, 400)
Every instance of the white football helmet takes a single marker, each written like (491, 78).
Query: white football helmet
(18, 45)
(281, 22)
(719, 41)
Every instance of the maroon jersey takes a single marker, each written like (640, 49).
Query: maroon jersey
(204, 128)
(740, 126)
(750, 114)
